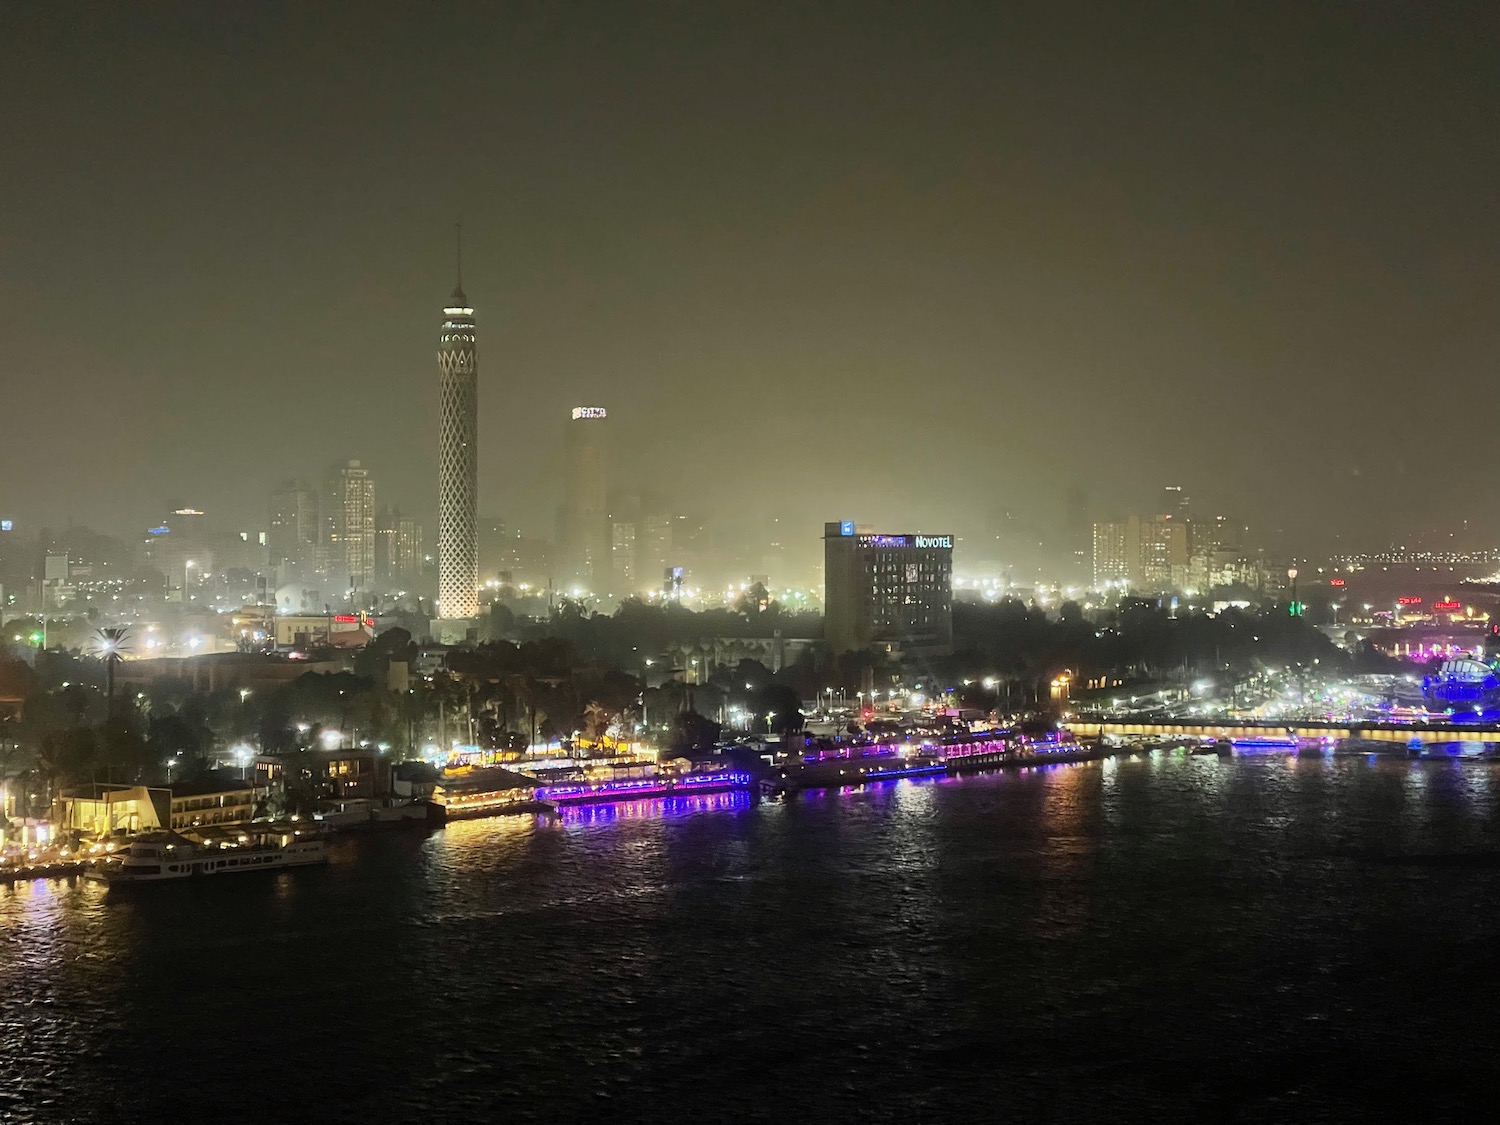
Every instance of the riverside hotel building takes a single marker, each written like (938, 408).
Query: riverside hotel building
(889, 590)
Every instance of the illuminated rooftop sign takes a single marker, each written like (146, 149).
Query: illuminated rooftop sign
(589, 412)
(1409, 601)
(1446, 607)
(920, 541)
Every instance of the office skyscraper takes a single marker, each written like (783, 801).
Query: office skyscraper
(349, 527)
(585, 514)
(398, 549)
(458, 460)
(292, 538)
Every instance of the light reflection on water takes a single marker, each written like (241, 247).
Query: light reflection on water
(1056, 941)
(649, 808)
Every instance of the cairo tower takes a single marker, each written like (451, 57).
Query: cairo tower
(458, 460)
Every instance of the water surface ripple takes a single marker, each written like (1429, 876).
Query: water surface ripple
(1152, 938)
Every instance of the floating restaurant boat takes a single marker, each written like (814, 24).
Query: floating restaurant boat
(887, 761)
(165, 856)
(593, 792)
(1015, 748)
(468, 794)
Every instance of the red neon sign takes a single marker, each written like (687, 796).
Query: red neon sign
(1447, 607)
(1408, 601)
(1335, 581)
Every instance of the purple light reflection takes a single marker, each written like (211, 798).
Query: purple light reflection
(652, 808)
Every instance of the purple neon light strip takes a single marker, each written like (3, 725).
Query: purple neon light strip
(627, 790)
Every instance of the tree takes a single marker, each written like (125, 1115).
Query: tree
(754, 601)
(691, 731)
(112, 643)
(596, 720)
(781, 705)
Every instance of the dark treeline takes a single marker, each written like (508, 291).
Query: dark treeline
(1135, 642)
(582, 674)
(638, 629)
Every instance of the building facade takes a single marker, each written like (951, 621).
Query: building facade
(1146, 554)
(458, 461)
(584, 525)
(398, 549)
(292, 535)
(349, 527)
(884, 589)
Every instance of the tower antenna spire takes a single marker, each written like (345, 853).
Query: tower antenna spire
(458, 246)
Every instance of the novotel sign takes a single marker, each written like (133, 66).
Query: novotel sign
(920, 541)
(589, 412)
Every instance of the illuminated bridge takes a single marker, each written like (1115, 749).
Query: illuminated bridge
(1240, 728)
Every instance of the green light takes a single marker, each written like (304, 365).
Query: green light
(36, 638)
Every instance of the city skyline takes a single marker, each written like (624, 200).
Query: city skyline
(946, 603)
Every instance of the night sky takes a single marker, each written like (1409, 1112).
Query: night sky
(915, 265)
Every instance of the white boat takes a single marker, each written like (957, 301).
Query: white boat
(163, 856)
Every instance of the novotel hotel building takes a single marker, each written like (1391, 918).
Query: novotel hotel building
(887, 590)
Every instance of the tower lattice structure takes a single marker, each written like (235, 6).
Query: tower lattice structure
(458, 461)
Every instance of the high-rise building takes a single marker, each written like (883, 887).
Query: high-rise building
(292, 537)
(349, 527)
(180, 547)
(1174, 502)
(458, 460)
(1148, 554)
(1164, 554)
(653, 544)
(622, 556)
(894, 590)
(495, 548)
(624, 535)
(398, 550)
(584, 531)
(1111, 554)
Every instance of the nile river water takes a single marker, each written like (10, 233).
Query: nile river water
(1152, 938)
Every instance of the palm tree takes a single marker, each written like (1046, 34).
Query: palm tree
(596, 720)
(112, 643)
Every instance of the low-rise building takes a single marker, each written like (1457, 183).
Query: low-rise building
(101, 810)
(342, 775)
(212, 799)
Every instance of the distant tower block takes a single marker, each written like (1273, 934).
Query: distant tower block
(458, 460)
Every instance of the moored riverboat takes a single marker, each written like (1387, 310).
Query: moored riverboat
(166, 856)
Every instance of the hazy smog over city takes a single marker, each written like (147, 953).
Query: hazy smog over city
(915, 562)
